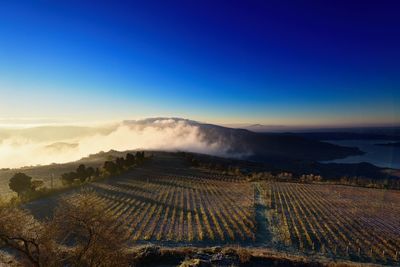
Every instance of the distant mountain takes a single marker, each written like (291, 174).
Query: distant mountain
(263, 128)
(338, 133)
(275, 145)
(368, 135)
(259, 146)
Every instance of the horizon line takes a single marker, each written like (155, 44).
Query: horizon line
(33, 122)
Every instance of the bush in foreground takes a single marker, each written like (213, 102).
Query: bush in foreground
(81, 233)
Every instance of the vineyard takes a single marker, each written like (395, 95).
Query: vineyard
(339, 221)
(169, 203)
(176, 206)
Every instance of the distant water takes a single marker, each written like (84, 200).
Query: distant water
(382, 156)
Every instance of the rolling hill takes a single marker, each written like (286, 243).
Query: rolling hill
(242, 143)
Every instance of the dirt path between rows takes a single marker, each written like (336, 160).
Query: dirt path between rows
(263, 233)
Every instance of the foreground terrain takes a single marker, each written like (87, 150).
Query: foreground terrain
(168, 203)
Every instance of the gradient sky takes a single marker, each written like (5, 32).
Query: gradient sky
(270, 62)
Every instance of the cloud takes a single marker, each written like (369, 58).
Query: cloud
(19, 149)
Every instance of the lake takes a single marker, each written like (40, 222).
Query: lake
(382, 156)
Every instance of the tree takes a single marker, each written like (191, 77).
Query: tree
(130, 159)
(68, 178)
(21, 183)
(36, 184)
(98, 240)
(31, 240)
(120, 163)
(90, 172)
(81, 172)
(76, 235)
(110, 167)
(140, 156)
(96, 172)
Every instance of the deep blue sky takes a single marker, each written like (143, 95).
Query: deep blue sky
(271, 62)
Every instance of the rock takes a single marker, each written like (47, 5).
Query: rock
(148, 251)
(220, 259)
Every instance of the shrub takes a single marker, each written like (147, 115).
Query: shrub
(21, 183)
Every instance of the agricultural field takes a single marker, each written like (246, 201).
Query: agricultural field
(168, 203)
(339, 221)
(177, 206)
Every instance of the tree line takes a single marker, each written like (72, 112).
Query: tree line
(28, 188)
(109, 168)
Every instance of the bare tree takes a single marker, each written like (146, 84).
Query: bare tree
(81, 233)
(93, 234)
(30, 239)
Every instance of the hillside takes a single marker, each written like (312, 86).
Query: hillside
(171, 204)
(244, 144)
(52, 173)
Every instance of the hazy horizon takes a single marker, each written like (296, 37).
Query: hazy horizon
(28, 146)
(29, 122)
(56, 142)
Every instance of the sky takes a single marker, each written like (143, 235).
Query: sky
(327, 63)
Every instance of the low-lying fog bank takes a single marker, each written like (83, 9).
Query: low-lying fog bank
(60, 144)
